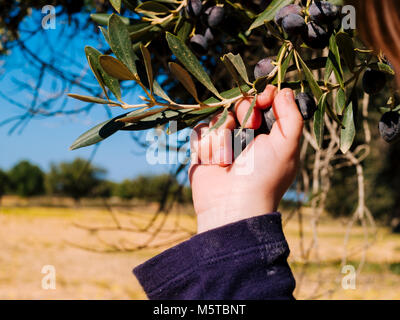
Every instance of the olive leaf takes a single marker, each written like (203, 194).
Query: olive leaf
(192, 118)
(319, 122)
(109, 127)
(138, 26)
(120, 42)
(248, 114)
(229, 94)
(155, 120)
(189, 60)
(115, 68)
(184, 30)
(102, 18)
(221, 120)
(384, 67)
(232, 71)
(160, 92)
(141, 115)
(340, 101)
(96, 72)
(116, 5)
(315, 88)
(102, 77)
(183, 76)
(346, 49)
(104, 31)
(285, 66)
(269, 13)
(333, 63)
(147, 63)
(144, 33)
(97, 134)
(93, 99)
(239, 65)
(347, 133)
(152, 8)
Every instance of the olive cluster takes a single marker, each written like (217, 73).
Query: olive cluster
(313, 26)
(305, 101)
(389, 126)
(306, 105)
(211, 18)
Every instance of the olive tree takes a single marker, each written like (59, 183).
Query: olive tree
(76, 179)
(26, 179)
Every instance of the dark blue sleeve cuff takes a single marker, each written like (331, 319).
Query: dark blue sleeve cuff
(242, 260)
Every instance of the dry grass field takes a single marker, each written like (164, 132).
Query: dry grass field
(33, 237)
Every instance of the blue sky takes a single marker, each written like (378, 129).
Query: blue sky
(46, 140)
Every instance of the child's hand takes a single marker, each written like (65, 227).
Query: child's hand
(220, 194)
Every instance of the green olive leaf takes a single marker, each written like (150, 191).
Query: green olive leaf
(269, 13)
(184, 30)
(189, 60)
(239, 65)
(340, 101)
(284, 67)
(232, 71)
(102, 18)
(116, 5)
(104, 31)
(221, 120)
(93, 99)
(248, 114)
(319, 121)
(384, 67)
(104, 79)
(152, 8)
(316, 90)
(97, 134)
(141, 115)
(347, 133)
(160, 92)
(346, 49)
(333, 63)
(120, 43)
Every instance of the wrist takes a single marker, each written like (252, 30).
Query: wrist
(233, 210)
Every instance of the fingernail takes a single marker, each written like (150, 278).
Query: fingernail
(288, 94)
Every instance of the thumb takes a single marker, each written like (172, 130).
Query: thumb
(289, 122)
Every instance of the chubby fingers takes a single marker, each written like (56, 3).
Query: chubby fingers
(213, 147)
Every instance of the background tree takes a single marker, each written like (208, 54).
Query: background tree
(75, 179)
(4, 184)
(153, 189)
(26, 179)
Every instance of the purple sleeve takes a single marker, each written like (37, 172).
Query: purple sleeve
(240, 261)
